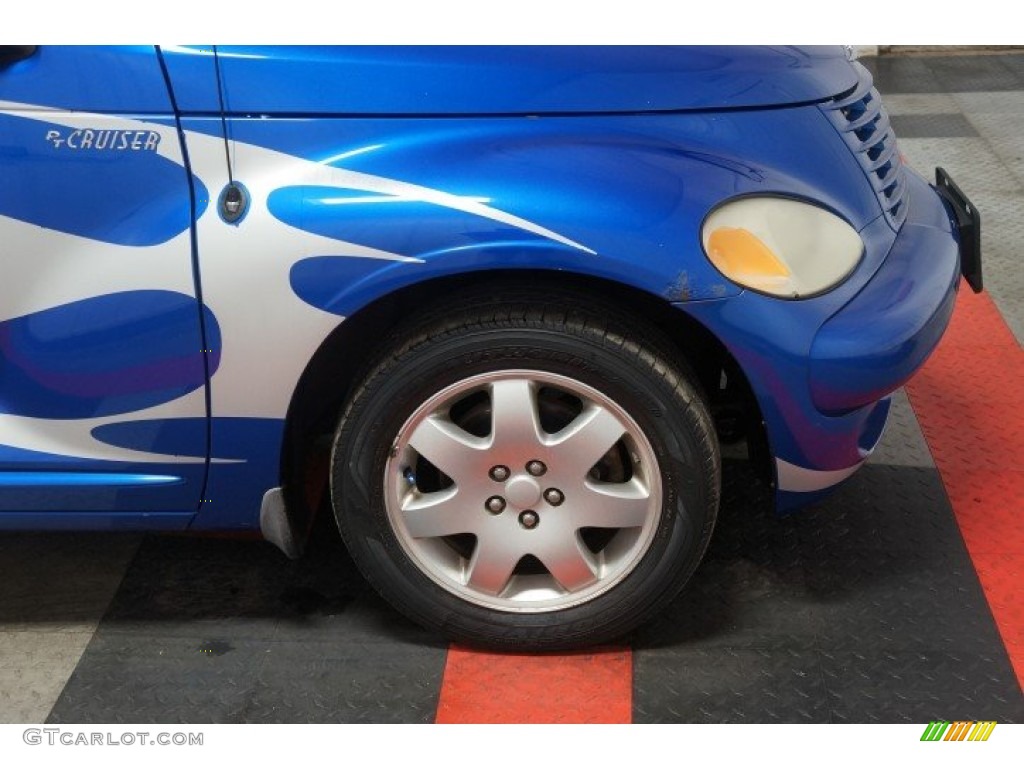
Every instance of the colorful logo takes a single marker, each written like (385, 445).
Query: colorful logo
(959, 730)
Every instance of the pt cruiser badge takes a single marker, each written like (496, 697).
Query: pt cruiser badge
(99, 138)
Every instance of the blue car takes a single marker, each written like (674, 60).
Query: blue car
(518, 296)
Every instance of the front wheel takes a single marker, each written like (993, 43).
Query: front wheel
(524, 476)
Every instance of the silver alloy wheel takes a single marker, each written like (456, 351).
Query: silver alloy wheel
(580, 500)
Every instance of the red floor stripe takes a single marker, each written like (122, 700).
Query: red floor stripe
(591, 687)
(969, 399)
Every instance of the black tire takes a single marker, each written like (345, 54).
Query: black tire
(569, 335)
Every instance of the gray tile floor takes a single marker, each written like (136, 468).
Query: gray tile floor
(964, 113)
(55, 590)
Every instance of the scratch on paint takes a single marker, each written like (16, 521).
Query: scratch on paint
(679, 289)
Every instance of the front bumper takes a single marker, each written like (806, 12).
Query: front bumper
(877, 341)
(821, 369)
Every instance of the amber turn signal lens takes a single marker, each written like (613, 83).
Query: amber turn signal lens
(735, 251)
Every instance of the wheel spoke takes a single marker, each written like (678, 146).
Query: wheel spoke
(570, 562)
(612, 505)
(514, 420)
(491, 566)
(437, 514)
(587, 438)
(447, 446)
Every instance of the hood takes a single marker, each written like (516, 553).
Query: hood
(469, 80)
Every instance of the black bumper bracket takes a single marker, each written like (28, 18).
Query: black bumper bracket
(968, 224)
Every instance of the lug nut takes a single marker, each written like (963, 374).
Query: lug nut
(499, 473)
(554, 497)
(495, 505)
(536, 468)
(529, 519)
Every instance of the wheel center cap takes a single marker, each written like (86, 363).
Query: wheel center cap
(522, 492)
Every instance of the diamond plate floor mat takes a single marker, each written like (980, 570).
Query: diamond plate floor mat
(218, 630)
(864, 609)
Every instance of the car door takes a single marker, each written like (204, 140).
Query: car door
(103, 359)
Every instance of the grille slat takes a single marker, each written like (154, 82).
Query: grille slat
(869, 135)
(886, 156)
(867, 116)
(857, 94)
(864, 124)
(889, 176)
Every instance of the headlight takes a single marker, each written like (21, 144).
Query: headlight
(780, 246)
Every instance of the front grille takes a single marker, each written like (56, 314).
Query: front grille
(863, 123)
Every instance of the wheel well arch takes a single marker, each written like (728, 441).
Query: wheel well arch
(337, 365)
